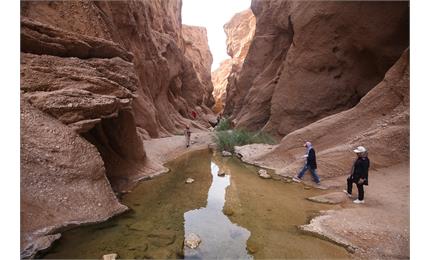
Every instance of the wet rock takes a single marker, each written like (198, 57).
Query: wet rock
(228, 211)
(221, 173)
(159, 253)
(263, 174)
(189, 180)
(226, 153)
(110, 256)
(162, 238)
(139, 226)
(288, 180)
(251, 247)
(330, 198)
(39, 244)
(192, 240)
(138, 247)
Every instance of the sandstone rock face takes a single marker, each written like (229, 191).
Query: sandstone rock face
(197, 51)
(380, 122)
(97, 78)
(311, 59)
(240, 31)
(92, 94)
(63, 180)
(169, 87)
(220, 78)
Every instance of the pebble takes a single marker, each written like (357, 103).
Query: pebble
(189, 180)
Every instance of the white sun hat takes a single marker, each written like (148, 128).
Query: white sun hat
(360, 149)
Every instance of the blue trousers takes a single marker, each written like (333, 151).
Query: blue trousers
(313, 172)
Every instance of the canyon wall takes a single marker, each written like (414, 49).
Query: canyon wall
(380, 122)
(309, 60)
(169, 86)
(240, 31)
(97, 77)
(197, 51)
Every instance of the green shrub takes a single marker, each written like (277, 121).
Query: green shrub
(227, 140)
(223, 125)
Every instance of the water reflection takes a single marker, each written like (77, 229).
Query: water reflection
(220, 237)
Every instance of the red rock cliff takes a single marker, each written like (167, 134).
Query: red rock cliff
(309, 60)
(97, 77)
(197, 51)
(240, 31)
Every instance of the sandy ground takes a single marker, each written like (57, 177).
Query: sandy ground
(165, 149)
(161, 150)
(379, 228)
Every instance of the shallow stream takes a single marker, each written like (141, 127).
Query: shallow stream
(236, 216)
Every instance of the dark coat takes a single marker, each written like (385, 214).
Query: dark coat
(312, 159)
(361, 170)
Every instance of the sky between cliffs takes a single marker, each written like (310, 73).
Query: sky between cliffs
(213, 14)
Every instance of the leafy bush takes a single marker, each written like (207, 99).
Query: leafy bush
(227, 140)
(223, 125)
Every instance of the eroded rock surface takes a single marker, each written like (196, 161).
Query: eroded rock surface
(169, 87)
(97, 77)
(197, 50)
(311, 59)
(380, 122)
(239, 30)
(63, 181)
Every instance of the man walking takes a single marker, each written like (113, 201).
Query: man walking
(311, 164)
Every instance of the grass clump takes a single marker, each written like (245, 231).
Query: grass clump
(227, 140)
(223, 125)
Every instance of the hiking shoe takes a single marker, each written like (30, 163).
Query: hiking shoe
(297, 179)
(357, 201)
(348, 194)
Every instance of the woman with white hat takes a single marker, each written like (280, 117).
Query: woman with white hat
(359, 174)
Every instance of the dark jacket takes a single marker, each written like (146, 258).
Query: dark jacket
(312, 159)
(361, 170)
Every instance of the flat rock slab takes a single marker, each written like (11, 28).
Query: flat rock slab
(330, 198)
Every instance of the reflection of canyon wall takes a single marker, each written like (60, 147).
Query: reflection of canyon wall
(240, 30)
(96, 78)
(309, 60)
